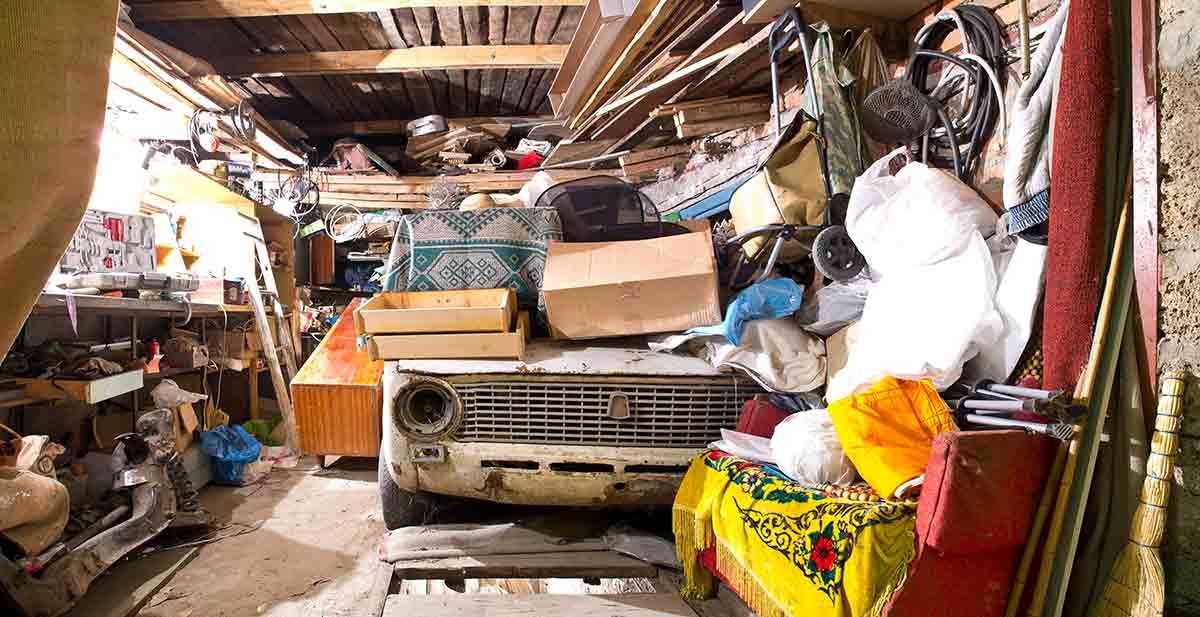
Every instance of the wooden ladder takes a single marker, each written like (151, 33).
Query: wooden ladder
(281, 373)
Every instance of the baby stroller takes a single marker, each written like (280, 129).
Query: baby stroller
(793, 192)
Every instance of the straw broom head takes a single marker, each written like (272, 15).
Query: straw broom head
(1136, 587)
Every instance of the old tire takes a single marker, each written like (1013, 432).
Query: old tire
(403, 508)
(835, 255)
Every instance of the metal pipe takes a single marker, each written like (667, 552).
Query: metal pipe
(1023, 29)
(1057, 431)
(1042, 395)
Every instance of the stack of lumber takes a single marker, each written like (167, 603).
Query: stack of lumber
(645, 164)
(716, 115)
(471, 141)
(379, 191)
(629, 60)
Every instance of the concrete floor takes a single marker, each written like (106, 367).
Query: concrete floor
(305, 542)
(310, 548)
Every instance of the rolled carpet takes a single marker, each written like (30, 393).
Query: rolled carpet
(1074, 260)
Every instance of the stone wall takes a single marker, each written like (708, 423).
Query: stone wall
(1179, 291)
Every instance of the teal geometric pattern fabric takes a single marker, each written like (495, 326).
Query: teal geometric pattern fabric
(480, 249)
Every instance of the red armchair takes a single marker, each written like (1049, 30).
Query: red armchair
(976, 508)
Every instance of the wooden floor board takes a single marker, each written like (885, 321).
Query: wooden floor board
(540, 605)
(546, 565)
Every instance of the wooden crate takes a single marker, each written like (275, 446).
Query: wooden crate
(422, 312)
(448, 346)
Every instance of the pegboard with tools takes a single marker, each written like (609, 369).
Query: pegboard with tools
(111, 242)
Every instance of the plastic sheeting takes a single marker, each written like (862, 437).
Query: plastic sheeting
(805, 446)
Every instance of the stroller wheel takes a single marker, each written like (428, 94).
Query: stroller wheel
(835, 255)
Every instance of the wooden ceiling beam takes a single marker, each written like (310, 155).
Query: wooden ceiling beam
(397, 127)
(393, 60)
(215, 9)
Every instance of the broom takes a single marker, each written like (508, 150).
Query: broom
(1136, 587)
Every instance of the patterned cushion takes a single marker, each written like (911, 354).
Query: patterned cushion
(480, 249)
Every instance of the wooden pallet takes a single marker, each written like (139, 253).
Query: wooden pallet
(556, 565)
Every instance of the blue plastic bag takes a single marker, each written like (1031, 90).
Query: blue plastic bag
(231, 448)
(769, 299)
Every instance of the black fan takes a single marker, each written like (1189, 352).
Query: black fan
(605, 209)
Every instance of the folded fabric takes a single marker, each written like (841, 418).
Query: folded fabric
(776, 353)
(888, 430)
(744, 445)
(1027, 166)
(479, 249)
(789, 550)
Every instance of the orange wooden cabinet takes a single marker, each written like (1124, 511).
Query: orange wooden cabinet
(337, 396)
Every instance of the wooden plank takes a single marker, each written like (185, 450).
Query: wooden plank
(647, 18)
(650, 168)
(714, 38)
(131, 583)
(338, 419)
(89, 391)
(543, 605)
(566, 152)
(518, 30)
(605, 564)
(216, 9)
(673, 78)
(394, 60)
(726, 110)
(420, 202)
(338, 196)
(640, 156)
(509, 345)
(686, 131)
(592, 58)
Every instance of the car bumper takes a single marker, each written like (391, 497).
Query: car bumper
(541, 474)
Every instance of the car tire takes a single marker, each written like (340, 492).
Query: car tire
(403, 508)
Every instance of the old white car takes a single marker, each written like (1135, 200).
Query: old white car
(603, 423)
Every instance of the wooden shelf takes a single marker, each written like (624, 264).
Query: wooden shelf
(55, 302)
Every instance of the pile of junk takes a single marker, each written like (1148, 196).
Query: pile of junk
(58, 535)
(920, 360)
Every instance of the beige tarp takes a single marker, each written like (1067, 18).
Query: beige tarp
(54, 58)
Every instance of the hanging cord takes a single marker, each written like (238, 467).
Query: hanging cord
(353, 218)
(983, 45)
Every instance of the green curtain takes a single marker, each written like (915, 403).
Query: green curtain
(54, 59)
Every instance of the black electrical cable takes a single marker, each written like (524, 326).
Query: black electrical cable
(974, 125)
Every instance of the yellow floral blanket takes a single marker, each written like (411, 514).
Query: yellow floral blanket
(786, 549)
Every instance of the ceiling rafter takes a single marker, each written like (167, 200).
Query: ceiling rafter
(216, 9)
(393, 60)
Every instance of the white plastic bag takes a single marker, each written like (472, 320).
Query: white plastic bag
(933, 305)
(805, 446)
(920, 216)
(744, 445)
(834, 306)
(167, 394)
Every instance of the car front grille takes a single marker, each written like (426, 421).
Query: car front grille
(662, 414)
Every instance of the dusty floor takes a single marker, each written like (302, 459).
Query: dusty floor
(311, 547)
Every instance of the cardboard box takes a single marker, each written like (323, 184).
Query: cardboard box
(598, 289)
(461, 310)
(186, 423)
